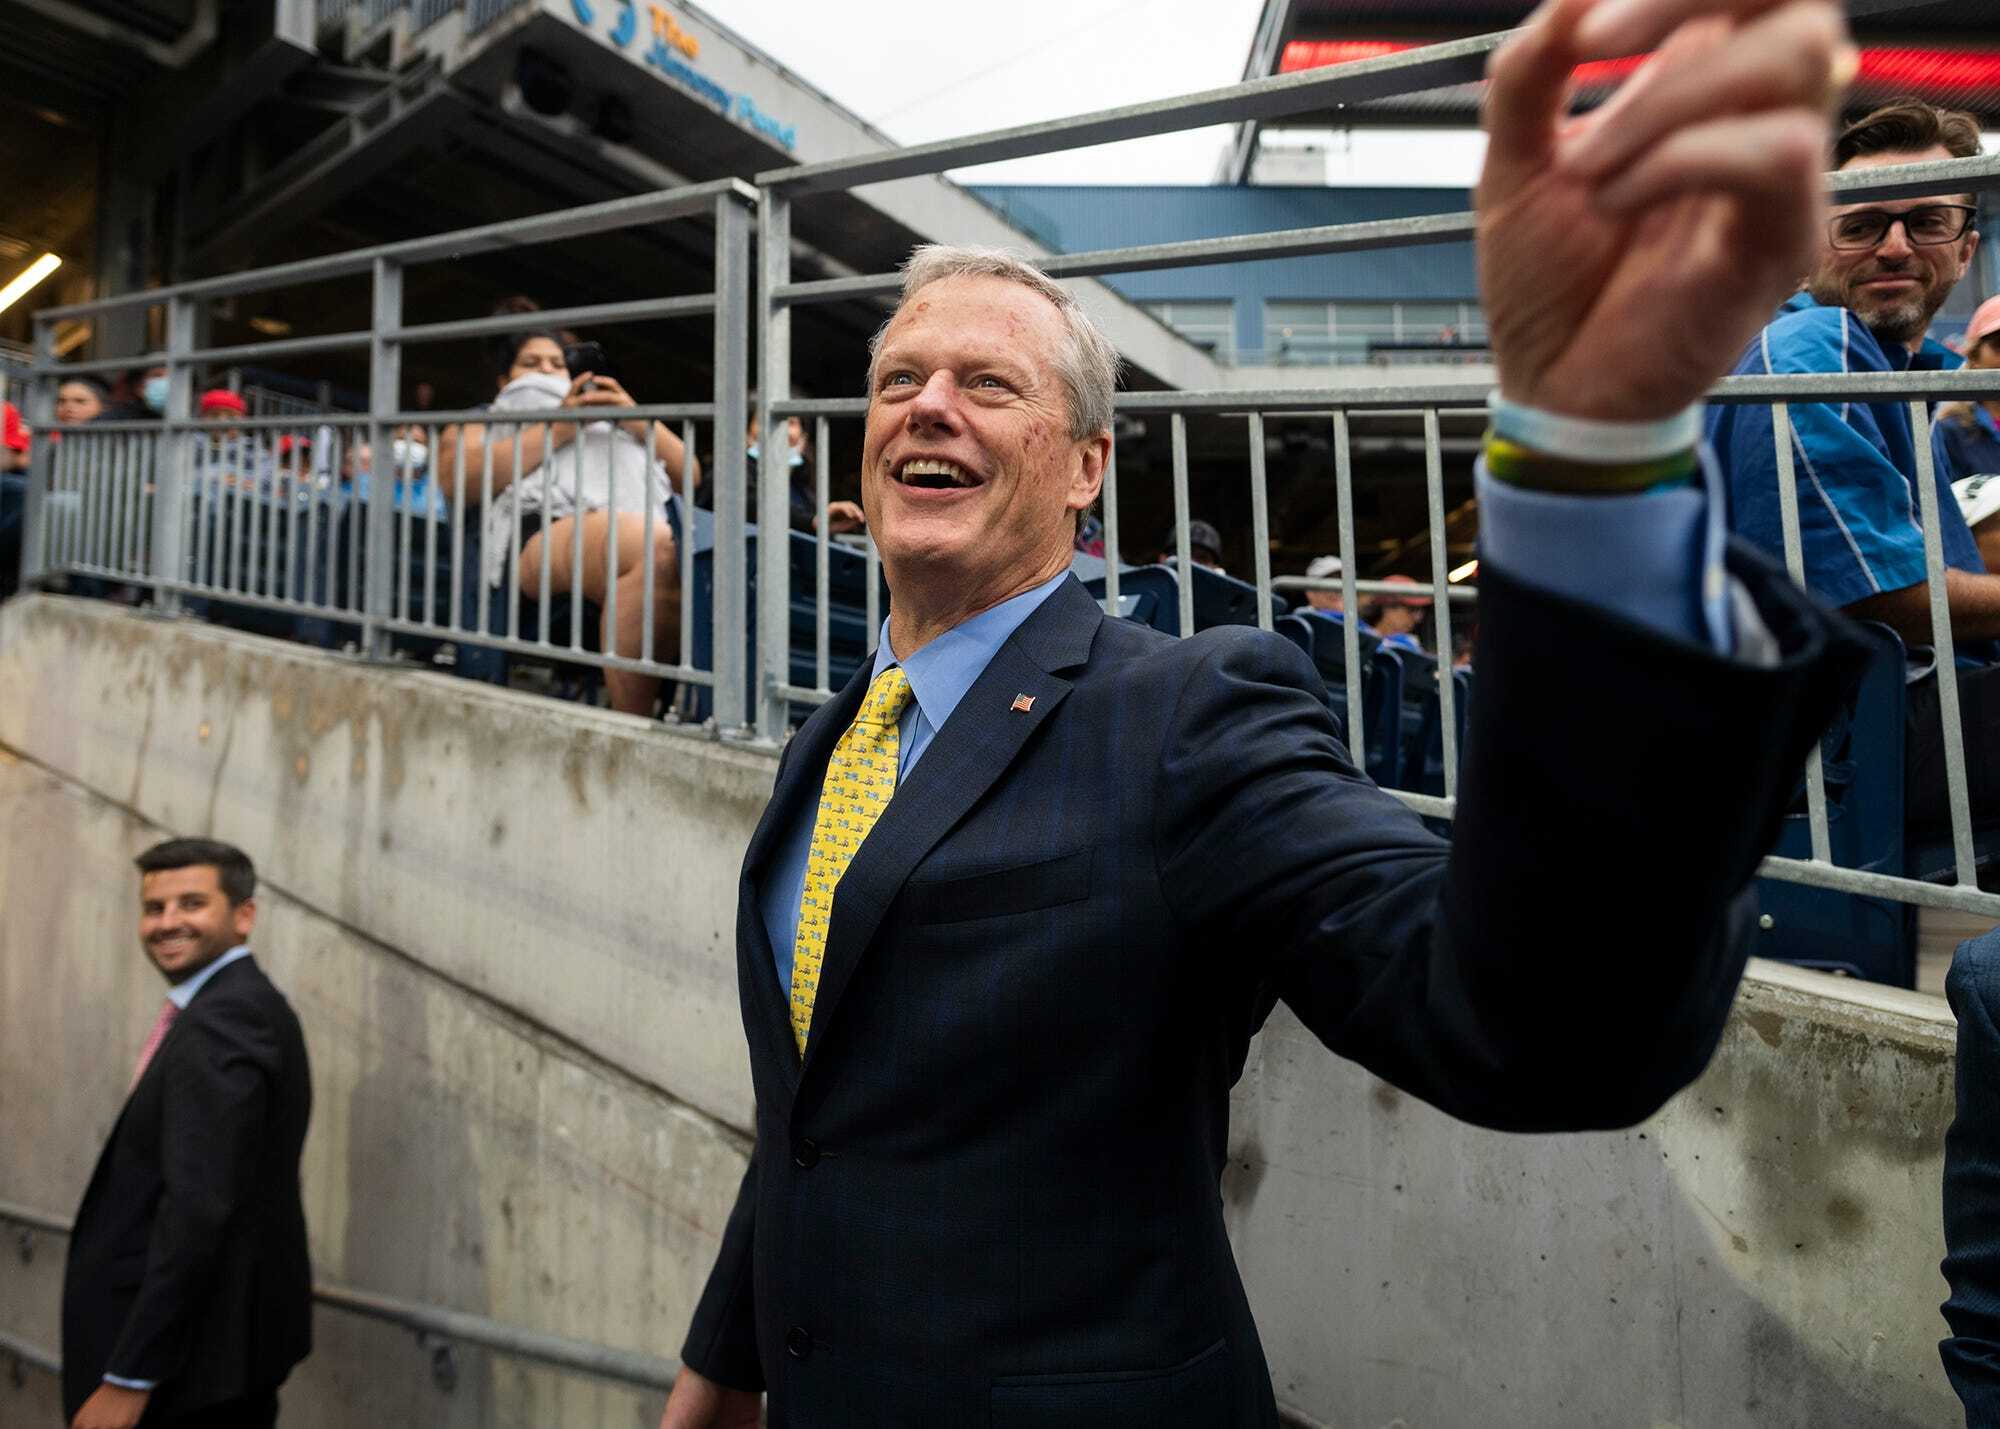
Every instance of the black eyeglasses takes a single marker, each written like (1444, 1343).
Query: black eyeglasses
(1933, 223)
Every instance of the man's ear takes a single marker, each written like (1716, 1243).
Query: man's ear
(1093, 454)
(243, 917)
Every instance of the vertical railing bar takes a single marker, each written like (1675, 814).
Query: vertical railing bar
(731, 610)
(511, 571)
(201, 508)
(121, 551)
(1956, 793)
(822, 561)
(1795, 565)
(1350, 618)
(1111, 558)
(1183, 554)
(101, 503)
(686, 553)
(576, 572)
(399, 492)
(873, 560)
(652, 501)
(238, 518)
(430, 529)
(1260, 521)
(458, 536)
(548, 534)
(254, 556)
(172, 476)
(1441, 597)
(40, 527)
(485, 507)
(360, 521)
(315, 594)
(285, 490)
(385, 380)
(773, 496)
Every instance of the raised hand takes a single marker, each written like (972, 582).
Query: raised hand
(1626, 257)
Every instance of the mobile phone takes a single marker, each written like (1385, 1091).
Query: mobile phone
(587, 357)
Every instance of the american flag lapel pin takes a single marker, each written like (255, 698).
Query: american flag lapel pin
(1023, 703)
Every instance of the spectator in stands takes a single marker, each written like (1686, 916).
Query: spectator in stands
(842, 516)
(141, 394)
(13, 439)
(1204, 547)
(1325, 568)
(81, 399)
(1969, 432)
(1397, 617)
(595, 470)
(1979, 503)
(219, 405)
(1883, 271)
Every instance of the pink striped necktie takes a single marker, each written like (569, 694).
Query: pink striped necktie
(168, 1012)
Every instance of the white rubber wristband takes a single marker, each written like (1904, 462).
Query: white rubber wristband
(1587, 439)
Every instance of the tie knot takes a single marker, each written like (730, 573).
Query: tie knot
(886, 699)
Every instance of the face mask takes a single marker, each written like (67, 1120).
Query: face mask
(532, 391)
(415, 454)
(154, 394)
(798, 457)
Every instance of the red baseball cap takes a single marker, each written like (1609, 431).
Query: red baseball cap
(221, 399)
(13, 431)
(1985, 322)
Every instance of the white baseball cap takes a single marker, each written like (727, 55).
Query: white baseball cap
(1323, 568)
(1978, 497)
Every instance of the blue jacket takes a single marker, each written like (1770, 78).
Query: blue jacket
(1971, 1353)
(1854, 462)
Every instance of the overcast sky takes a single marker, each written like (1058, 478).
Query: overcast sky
(942, 70)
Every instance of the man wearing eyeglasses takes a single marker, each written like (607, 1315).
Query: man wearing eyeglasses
(1885, 268)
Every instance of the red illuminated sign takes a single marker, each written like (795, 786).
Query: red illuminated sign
(1928, 71)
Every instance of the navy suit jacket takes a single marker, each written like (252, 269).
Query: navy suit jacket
(188, 1263)
(990, 1194)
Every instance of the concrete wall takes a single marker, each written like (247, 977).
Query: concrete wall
(506, 927)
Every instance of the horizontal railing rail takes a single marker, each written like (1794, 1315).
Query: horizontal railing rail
(583, 1357)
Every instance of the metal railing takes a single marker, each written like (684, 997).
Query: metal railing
(112, 514)
(304, 516)
(1456, 62)
(437, 1327)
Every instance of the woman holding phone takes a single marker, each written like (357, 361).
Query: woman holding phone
(587, 467)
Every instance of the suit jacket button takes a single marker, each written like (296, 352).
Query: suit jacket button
(806, 1153)
(798, 1343)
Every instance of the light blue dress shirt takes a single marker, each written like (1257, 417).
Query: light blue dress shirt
(1655, 559)
(180, 995)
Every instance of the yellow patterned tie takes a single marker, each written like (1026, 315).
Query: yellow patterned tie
(860, 777)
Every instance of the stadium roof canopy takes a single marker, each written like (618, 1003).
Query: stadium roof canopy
(1947, 51)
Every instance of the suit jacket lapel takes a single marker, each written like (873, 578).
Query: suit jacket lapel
(977, 743)
(805, 769)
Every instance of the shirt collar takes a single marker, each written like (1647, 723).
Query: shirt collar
(946, 668)
(182, 993)
(1930, 356)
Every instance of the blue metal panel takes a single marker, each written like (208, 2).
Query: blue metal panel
(1074, 219)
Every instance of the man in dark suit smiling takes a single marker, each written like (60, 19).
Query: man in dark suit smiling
(187, 1298)
(1028, 885)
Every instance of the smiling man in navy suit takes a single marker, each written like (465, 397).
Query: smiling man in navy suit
(1026, 888)
(187, 1297)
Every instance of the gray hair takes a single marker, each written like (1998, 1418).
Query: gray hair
(1087, 363)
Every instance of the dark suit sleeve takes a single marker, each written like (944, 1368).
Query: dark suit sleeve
(217, 1088)
(722, 1340)
(1570, 960)
(1972, 1185)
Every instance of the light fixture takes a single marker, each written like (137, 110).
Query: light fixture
(29, 276)
(1459, 573)
(271, 327)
